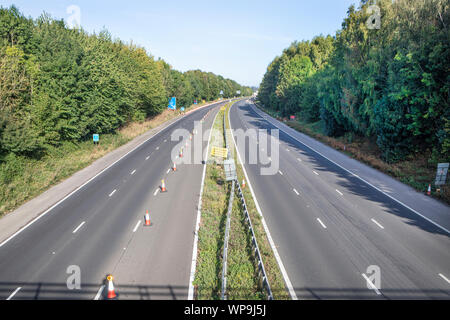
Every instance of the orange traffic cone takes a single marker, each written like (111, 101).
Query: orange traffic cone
(111, 293)
(429, 190)
(174, 168)
(243, 183)
(163, 186)
(147, 219)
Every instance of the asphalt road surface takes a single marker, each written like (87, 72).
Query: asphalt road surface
(329, 226)
(100, 230)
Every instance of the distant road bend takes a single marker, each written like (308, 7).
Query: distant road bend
(333, 220)
(100, 229)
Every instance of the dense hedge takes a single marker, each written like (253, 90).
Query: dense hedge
(389, 84)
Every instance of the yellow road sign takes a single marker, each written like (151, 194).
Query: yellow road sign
(219, 152)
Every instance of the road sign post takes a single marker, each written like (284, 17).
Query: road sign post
(441, 174)
(172, 103)
(96, 138)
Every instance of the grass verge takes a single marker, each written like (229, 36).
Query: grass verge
(242, 279)
(274, 275)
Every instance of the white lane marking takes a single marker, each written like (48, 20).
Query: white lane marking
(99, 292)
(444, 277)
(157, 148)
(114, 191)
(147, 158)
(339, 192)
(287, 150)
(165, 140)
(287, 281)
(133, 171)
(279, 171)
(197, 223)
(376, 222)
(315, 173)
(299, 159)
(137, 226)
(296, 191)
(77, 228)
(164, 127)
(14, 293)
(323, 225)
(270, 159)
(156, 191)
(168, 170)
(370, 283)
(355, 175)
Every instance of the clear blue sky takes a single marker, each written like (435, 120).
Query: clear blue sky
(236, 39)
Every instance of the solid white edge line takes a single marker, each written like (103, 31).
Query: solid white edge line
(77, 228)
(137, 226)
(287, 281)
(339, 192)
(444, 277)
(14, 293)
(99, 292)
(114, 191)
(197, 223)
(371, 284)
(112, 164)
(377, 223)
(323, 225)
(355, 175)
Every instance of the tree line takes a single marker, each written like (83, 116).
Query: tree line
(390, 84)
(59, 84)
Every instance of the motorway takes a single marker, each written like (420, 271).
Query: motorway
(100, 229)
(329, 226)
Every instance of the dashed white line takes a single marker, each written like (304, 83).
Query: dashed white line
(77, 228)
(376, 222)
(444, 277)
(133, 171)
(299, 159)
(157, 148)
(99, 292)
(339, 192)
(287, 150)
(165, 140)
(156, 191)
(296, 191)
(168, 170)
(315, 173)
(112, 193)
(280, 172)
(370, 283)
(14, 293)
(137, 226)
(147, 158)
(323, 225)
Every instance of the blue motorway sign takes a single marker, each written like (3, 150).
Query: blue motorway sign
(172, 103)
(95, 137)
